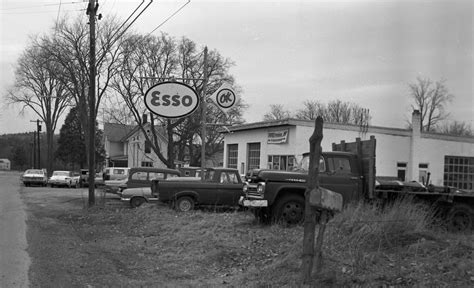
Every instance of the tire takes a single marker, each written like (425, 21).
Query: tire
(289, 210)
(184, 204)
(137, 202)
(460, 218)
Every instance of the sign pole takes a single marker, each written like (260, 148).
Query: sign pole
(203, 117)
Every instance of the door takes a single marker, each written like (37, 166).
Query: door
(341, 176)
(229, 188)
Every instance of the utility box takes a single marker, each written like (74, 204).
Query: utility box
(325, 199)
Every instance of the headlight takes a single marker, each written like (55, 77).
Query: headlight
(245, 188)
(261, 188)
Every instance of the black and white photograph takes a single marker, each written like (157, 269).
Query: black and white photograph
(236, 143)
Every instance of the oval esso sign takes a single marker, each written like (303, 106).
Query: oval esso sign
(171, 99)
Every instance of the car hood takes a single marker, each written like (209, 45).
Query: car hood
(142, 191)
(33, 175)
(115, 182)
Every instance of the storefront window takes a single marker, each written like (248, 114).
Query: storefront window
(281, 162)
(459, 172)
(232, 155)
(253, 156)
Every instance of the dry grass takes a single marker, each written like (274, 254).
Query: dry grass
(154, 246)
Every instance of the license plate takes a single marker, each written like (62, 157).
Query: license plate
(255, 203)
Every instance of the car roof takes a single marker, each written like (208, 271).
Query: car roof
(154, 169)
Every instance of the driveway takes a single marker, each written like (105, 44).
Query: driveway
(14, 260)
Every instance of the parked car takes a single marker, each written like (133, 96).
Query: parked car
(84, 179)
(115, 173)
(35, 177)
(63, 178)
(139, 177)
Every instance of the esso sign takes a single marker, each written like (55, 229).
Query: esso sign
(171, 99)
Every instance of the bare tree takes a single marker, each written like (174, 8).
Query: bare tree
(69, 50)
(311, 110)
(335, 111)
(37, 88)
(458, 128)
(430, 99)
(277, 112)
(148, 60)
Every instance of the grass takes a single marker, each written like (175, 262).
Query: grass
(154, 246)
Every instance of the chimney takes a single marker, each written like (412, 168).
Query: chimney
(145, 120)
(416, 122)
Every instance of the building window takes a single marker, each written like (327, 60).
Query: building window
(147, 164)
(232, 154)
(423, 173)
(459, 172)
(401, 171)
(281, 162)
(253, 159)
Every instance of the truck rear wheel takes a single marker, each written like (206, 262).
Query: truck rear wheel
(289, 210)
(460, 218)
(137, 201)
(184, 204)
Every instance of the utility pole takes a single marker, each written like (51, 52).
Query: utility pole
(38, 130)
(33, 151)
(92, 11)
(203, 117)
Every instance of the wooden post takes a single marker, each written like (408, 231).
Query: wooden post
(91, 11)
(310, 211)
(203, 116)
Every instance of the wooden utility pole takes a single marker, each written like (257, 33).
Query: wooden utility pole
(92, 11)
(310, 211)
(203, 116)
(37, 147)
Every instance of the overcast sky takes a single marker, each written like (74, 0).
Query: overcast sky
(286, 52)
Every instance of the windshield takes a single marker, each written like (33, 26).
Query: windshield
(34, 171)
(303, 166)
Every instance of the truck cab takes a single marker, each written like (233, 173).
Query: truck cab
(279, 195)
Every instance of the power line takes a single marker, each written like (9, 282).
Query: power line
(38, 12)
(37, 6)
(166, 20)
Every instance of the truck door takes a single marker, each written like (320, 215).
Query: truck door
(341, 177)
(230, 188)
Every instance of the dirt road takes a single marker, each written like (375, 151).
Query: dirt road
(14, 259)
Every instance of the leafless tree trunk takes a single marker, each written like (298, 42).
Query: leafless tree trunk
(430, 99)
(37, 88)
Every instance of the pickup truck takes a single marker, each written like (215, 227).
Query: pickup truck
(139, 177)
(349, 169)
(220, 187)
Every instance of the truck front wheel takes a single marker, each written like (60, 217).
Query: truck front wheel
(289, 210)
(184, 204)
(460, 218)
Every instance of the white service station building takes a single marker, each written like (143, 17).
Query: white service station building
(407, 154)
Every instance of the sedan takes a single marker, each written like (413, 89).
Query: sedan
(63, 178)
(35, 177)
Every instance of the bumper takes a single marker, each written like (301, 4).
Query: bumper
(252, 203)
(58, 182)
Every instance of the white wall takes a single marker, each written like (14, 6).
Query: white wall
(393, 146)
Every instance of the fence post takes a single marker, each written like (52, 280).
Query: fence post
(310, 211)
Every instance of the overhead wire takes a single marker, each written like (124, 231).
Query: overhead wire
(38, 6)
(171, 16)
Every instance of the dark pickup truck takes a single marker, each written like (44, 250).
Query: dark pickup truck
(220, 187)
(349, 169)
